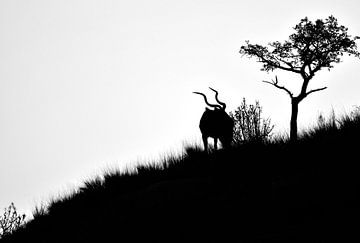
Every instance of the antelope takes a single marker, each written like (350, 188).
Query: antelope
(216, 123)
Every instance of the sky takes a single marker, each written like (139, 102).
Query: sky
(88, 85)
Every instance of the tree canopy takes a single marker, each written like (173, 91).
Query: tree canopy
(313, 46)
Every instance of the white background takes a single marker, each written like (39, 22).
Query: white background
(89, 85)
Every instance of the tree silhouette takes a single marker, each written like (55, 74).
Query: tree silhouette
(313, 46)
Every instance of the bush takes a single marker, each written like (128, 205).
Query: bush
(249, 126)
(10, 220)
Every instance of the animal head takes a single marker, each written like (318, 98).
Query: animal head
(220, 105)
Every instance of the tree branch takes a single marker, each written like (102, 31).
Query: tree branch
(276, 65)
(275, 83)
(269, 60)
(315, 90)
(291, 67)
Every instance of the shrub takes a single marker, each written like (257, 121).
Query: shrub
(10, 220)
(249, 126)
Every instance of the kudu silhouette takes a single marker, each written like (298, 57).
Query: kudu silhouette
(216, 123)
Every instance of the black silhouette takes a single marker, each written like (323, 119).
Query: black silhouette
(216, 123)
(10, 220)
(249, 125)
(250, 193)
(314, 46)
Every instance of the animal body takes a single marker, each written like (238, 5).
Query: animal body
(216, 123)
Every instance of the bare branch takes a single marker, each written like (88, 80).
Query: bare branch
(275, 83)
(315, 90)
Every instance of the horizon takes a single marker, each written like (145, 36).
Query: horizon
(91, 85)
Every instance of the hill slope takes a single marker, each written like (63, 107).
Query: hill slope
(276, 192)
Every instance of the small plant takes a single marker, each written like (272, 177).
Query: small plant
(249, 126)
(10, 220)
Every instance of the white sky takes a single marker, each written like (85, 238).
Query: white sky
(86, 85)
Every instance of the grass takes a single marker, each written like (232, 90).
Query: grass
(255, 192)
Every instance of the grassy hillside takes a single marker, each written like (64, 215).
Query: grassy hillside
(275, 192)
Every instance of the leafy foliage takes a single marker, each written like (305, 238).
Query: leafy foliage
(249, 126)
(10, 220)
(313, 46)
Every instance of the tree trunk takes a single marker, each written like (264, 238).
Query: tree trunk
(293, 122)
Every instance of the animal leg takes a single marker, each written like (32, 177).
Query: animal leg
(205, 143)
